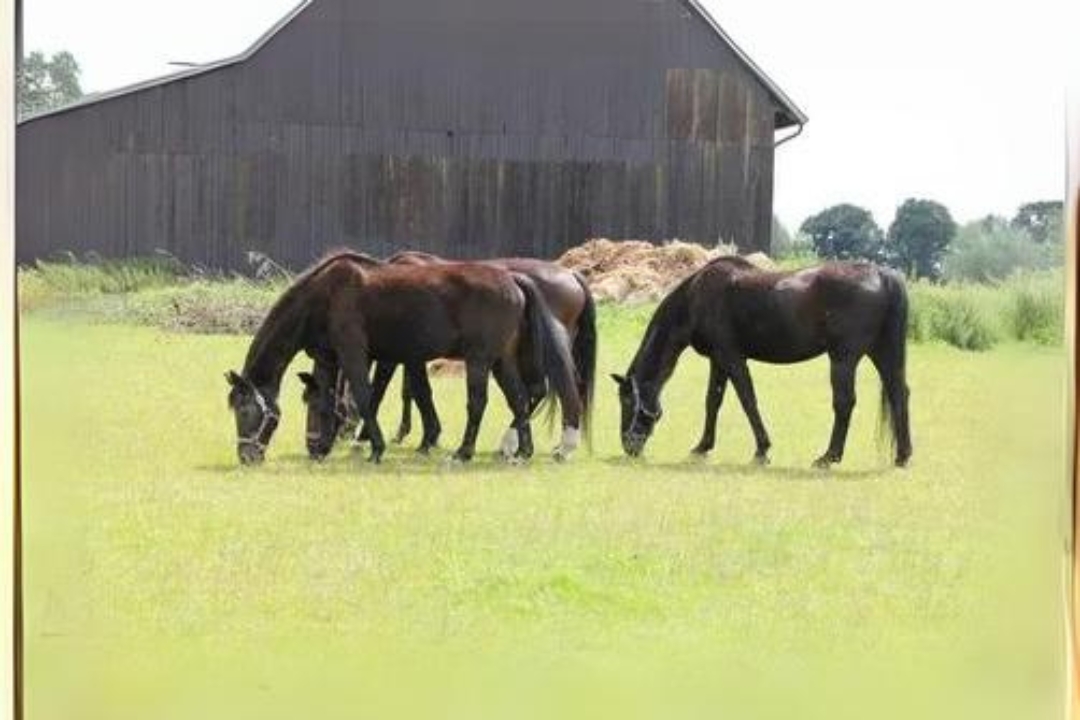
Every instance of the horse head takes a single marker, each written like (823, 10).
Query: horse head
(325, 412)
(257, 418)
(640, 411)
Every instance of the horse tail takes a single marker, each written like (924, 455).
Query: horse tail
(891, 350)
(551, 355)
(584, 353)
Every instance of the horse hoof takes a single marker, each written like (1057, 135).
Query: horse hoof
(700, 453)
(375, 459)
(903, 462)
(822, 463)
(761, 460)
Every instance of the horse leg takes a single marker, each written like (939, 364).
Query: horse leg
(842, 374)
(739, 374)
(355, 367)
(714, 397)
(405, 425)
(517, 442)
(476, 375)
(416, 380)
(384, 372)
(894, 385)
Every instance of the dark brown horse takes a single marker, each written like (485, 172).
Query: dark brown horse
(349, 310)
(730, 311)
(567, 296)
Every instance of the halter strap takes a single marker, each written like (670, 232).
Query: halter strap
(639, 405)
(636, 432)
(269, 415)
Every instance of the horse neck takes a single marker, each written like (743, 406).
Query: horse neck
(276, 343)
(667, 336)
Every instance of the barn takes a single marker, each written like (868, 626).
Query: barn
(467, 128)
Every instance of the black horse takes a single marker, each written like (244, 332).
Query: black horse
(566, 295)
(731, 311)
(349, 310)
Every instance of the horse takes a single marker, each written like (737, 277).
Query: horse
(730, 311)
(567, 296)
(348, 310)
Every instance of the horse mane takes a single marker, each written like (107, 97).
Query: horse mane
(674, 302)
(321, 264)
(288, 298)
(734, 260)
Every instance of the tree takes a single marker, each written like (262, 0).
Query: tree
(918, 238)
(48, 83)
(844, 232)
(1041, 220)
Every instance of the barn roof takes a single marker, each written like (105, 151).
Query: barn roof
(788, 112)
(180, 74)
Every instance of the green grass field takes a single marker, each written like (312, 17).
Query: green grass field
(164, 581)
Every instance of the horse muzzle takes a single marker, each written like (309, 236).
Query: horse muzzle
(318, 449)
(634, 444)
(250, 454)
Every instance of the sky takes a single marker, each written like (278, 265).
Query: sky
(957, 101)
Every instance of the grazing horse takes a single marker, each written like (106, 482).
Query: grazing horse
(731, 311)
(349, 310)
(567, 296)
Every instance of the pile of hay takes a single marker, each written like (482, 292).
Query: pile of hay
(633, 271)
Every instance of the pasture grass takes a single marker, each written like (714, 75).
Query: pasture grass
(162, 580)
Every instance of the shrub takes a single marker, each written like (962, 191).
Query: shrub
(71, 276)
(959, 315)
(1035, 311)
(958, 321)
(157, 291)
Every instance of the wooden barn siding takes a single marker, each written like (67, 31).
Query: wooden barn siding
(390, 125)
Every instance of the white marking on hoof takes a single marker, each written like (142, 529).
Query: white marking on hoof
(509, 445)
(571, 439)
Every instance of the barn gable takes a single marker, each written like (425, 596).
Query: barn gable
(469, 128)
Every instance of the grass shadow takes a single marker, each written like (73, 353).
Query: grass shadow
(693, 465)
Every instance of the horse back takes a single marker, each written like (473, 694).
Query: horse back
(412, 312)
(793, 316)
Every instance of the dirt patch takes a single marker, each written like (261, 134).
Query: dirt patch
(634, 271)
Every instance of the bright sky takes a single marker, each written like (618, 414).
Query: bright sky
(959, 101)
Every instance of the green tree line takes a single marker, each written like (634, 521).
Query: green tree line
(924, 241)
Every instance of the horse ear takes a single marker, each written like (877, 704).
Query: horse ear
(308, 379)
(234, 379)
(618, 378)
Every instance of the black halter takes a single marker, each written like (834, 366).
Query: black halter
(270, 418)
(636, 432)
